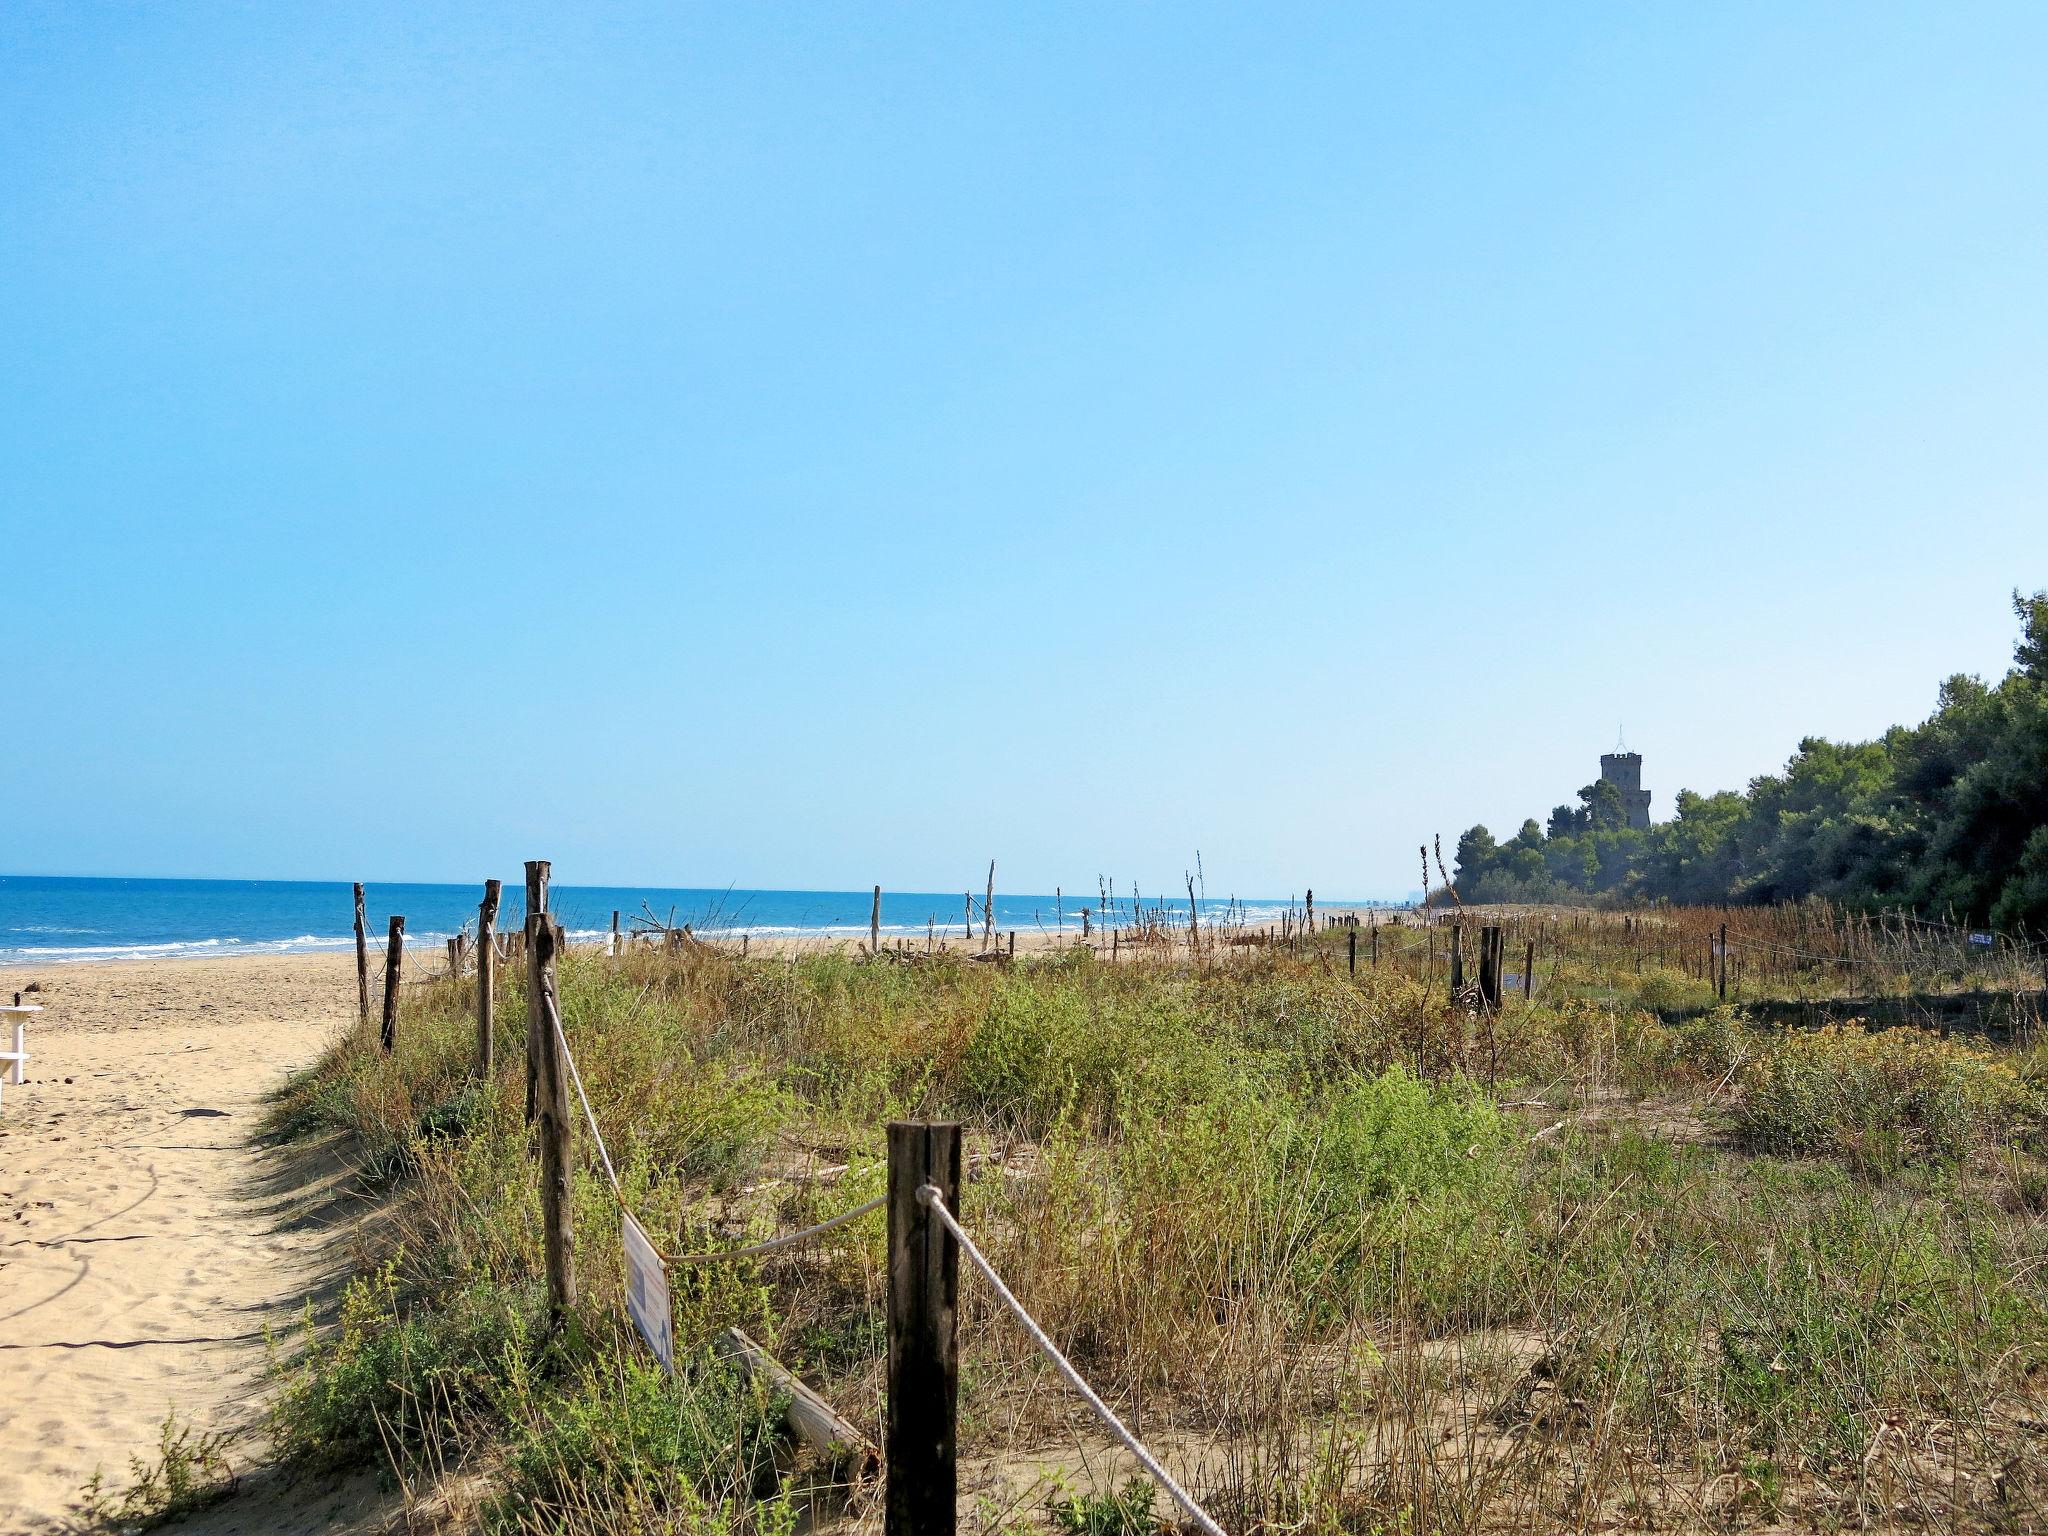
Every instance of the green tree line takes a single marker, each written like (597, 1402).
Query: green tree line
(1948, 816)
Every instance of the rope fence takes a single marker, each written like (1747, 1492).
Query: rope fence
(929, 1196)
(931, 1199)
(925, 1234)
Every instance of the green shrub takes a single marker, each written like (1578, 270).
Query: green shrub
(625, 1447)
(1884, 1099)
(390, 1381)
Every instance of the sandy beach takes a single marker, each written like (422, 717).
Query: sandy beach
(147, 1244)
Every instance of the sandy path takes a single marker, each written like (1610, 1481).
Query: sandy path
(144, 1243)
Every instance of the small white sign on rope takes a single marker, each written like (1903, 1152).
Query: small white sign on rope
(647, 1293)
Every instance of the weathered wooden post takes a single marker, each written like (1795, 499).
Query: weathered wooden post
(486, 968)
(1457, 958)
(1721, 985)
(536, 906)
(1375, 946)
(924, 1297)
(455, 957)
(1489, 966)
(1529, 969)
(875, 926)
(988, 908)
(394, 957)
(616, 950)
(553, 1123)
(362, 961)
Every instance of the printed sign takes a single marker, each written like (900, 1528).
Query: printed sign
(1511, 980)
(1981, 938)
(647, 1294)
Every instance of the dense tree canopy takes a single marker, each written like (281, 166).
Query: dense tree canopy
(1951, 814)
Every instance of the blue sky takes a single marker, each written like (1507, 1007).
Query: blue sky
(805, 446)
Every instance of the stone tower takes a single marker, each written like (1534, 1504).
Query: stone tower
(1624, 770)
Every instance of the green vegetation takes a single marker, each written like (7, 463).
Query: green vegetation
(1950, 815)
(1355, 1258)
(189, 1474)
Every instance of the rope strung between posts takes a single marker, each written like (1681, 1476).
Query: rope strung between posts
(596, 1135)
(787, 1240)
(929, 1196)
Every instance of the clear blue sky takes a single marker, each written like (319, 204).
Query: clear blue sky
(816, 445)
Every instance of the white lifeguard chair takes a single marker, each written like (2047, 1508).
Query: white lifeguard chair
(17, 1014)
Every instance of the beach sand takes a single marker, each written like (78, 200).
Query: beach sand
(145, 1243)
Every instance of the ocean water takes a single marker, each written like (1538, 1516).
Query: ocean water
(52, 920)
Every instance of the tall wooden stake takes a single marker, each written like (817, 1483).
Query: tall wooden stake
(536, 905)
(875, 926)
(362, 961)
(486, 975)
(988, 908)
(1351, 946)
(554, 1124)
(924, 1297)
(394, 957)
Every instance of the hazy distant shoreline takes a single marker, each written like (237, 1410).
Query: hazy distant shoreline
(70, 920)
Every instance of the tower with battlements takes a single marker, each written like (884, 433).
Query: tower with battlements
(1624, 770)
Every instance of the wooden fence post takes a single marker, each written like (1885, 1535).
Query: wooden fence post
(553, 1124)
(1489, 963)
(536, 905)
(924, 1294)
(1351, 949)
(394, 956)
(875, 926)
(362, 961)
(486, 966)
(616, 950)
(1457, 958)
(1721, 985)
(988, 908)
(1529, 969)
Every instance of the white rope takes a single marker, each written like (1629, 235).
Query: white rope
(929, 1196)
(596, 1135)
(787, 1239)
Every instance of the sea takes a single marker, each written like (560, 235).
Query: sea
(47, 919)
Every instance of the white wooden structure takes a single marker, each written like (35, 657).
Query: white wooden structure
(16, 1059)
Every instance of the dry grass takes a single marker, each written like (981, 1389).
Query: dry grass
(1356, 1259)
